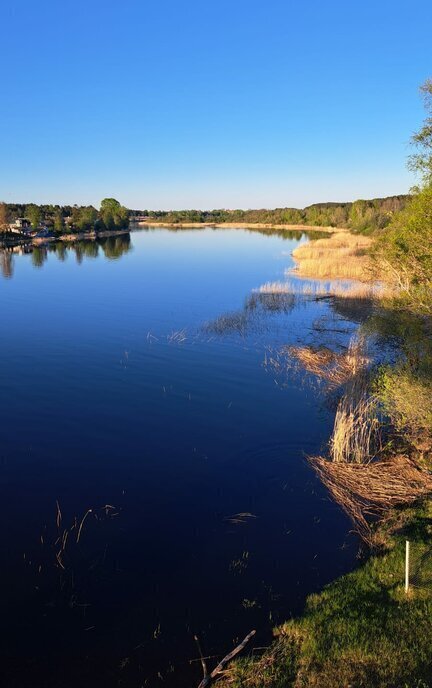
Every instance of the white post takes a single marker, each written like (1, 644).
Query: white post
(407, 562)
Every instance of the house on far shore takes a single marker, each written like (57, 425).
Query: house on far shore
(43, 233)
(20, 226)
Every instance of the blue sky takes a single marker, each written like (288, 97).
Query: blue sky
(210, 103)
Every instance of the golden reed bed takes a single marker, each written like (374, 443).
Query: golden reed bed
(341, 256)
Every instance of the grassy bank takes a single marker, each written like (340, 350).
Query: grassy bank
(363, 630)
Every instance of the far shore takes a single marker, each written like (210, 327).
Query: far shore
(77, 236)
(238, 225)
(18, 239)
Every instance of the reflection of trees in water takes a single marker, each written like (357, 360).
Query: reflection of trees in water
(116, 246)
(90, 249)
(6, 263)
(112, 248)
(39, 255)
(59, 248)
(79, 252)
(252, 316)
(291, 234)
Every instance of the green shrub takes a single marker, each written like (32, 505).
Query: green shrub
(403, 253)
(406, 399)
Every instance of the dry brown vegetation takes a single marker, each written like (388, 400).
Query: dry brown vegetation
(371, 490)
(356, 436)
(341, 289)
(365, 481)
(361, 476)
(324, 289)
(276, 288)
(334, 368)
(341, 256)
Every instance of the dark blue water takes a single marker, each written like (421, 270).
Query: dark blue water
(132, 383)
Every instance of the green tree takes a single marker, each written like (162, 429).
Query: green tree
(113, 215)
(4, 218)
(58, 221)
(34, 215)
(87, 217)
(421, 162)
(404, 253)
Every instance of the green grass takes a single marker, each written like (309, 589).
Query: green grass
(363, 630)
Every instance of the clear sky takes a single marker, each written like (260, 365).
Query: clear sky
(210, 103)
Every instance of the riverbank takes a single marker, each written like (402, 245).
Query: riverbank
(78, 236)
(365, 629)
(240, 225)
(18, 239)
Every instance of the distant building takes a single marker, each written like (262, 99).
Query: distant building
(44, 233)
(20, 226)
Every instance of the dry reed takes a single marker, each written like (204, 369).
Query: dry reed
(177, 337)
(370, 491)
(364, 482)
(275, 288)
(356, 436)
(334, 368)
(343, 255)
(345, 289)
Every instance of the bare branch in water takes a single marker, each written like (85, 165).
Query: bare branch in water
(89, 511)
(208, 678)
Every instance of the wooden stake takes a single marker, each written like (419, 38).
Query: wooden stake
(407, 564)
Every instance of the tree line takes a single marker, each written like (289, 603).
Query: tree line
(362, 215)
(66, 218)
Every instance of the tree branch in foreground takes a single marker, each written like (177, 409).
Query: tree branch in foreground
(208, 678)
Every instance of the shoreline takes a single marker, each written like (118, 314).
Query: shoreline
(18, 239)
(239, 225)
(10, 242)
(338, 638)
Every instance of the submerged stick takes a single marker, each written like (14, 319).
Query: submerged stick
(59, 515)
(220, 667)
(202, 659)
(89, 511)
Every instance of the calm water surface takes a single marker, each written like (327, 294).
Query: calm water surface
(133, 383)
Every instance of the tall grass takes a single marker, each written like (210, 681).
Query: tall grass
(362, 478)
(335, 369)
(342, 256)
(356, 432)
(319, 288)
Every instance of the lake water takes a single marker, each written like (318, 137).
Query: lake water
(134, 383)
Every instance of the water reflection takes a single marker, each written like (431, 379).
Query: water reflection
(252, 317)
(6, 263)
(39, 256)
(112, 248)
(285, 234)
(234, 445)
(116, 247)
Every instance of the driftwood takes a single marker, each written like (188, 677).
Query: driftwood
(208, 678)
